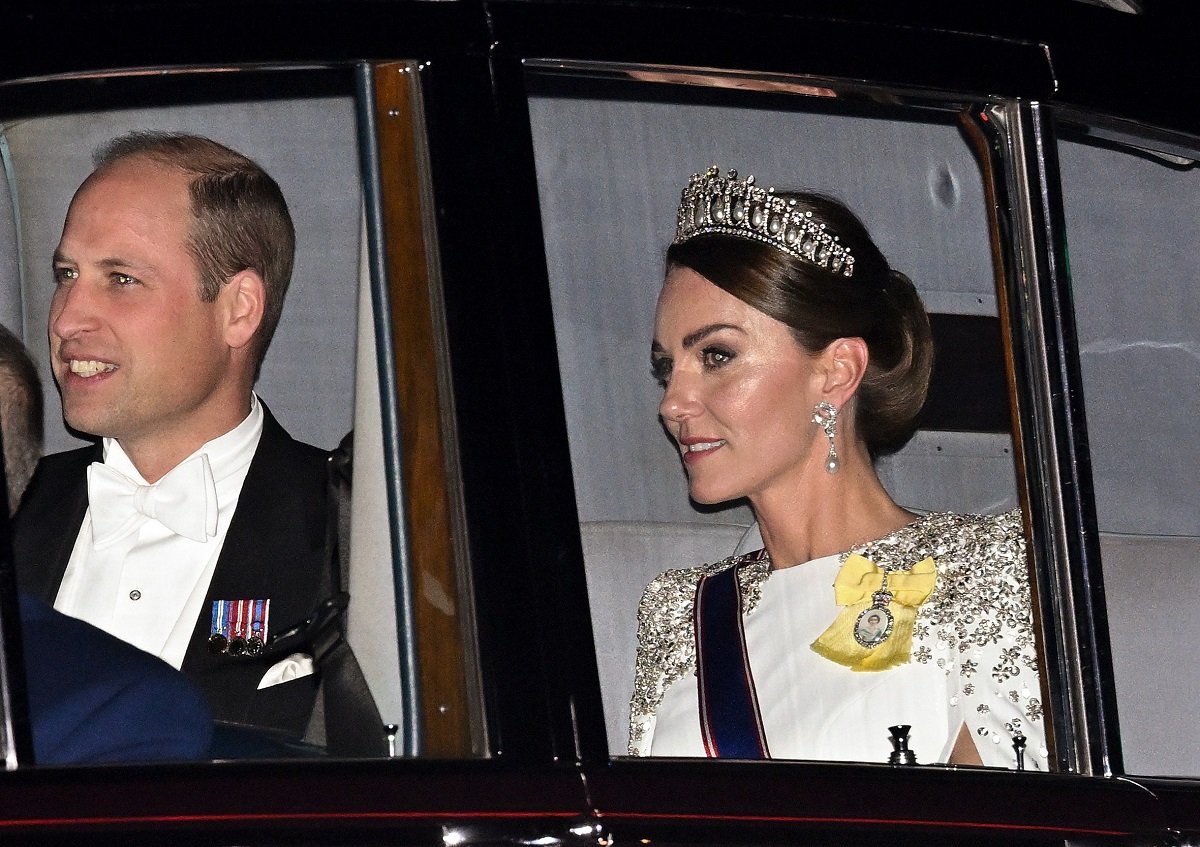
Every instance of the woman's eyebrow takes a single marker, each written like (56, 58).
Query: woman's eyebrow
(693, 338)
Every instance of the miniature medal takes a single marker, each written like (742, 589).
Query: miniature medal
(239, 627)
(258, 628)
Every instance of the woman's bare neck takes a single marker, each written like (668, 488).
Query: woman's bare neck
(828, 516)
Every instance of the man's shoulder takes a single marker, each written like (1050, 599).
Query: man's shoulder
(288, 482)
(69, 460)
(56, 477)
(277, 444)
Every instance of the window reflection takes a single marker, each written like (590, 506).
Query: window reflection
(1130, 220)
(309, 146)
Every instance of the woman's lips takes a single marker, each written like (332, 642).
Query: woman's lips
(695, 449)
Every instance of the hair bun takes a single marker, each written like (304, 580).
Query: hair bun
(902, 359)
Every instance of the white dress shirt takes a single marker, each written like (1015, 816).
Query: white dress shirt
(148, 586)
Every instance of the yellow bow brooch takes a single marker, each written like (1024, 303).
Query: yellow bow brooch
(873, 632)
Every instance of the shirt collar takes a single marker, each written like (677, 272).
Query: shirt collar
(227, 453)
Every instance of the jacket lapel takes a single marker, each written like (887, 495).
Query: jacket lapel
(274, 550)
(48, 523)
(274, 547)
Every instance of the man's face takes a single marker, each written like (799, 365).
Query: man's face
(137, 355)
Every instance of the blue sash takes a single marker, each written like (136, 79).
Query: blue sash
(730, 722)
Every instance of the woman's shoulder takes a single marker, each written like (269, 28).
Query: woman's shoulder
(978, 526)
(951, 539)
(682, 581)
(982, 596)
(977, 556)
(665, 610)
(666, 648)
(676, 588)
(983, 544)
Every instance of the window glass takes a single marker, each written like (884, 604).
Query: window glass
(321, 380)
(324, 202)
(1131, 207)
(612, 156)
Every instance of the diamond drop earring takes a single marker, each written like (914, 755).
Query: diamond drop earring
(825, 416)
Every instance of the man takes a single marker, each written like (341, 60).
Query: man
(92, 697)
(196, 530)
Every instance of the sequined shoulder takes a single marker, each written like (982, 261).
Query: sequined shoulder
(978, 627)
(982, 592)
(666, 647)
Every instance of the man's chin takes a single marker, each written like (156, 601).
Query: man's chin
(81, 425)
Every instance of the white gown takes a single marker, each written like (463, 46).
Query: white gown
(972, 656)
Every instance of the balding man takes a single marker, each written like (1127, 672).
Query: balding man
(196, 529)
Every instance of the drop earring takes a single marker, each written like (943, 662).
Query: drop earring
(825, 416)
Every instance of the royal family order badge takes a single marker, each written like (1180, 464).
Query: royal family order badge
(874, 623)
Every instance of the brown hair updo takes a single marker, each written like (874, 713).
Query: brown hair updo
(876, 304)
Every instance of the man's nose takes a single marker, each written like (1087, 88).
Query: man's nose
(72, 310)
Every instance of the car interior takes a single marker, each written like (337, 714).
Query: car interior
(608, 213)
(611, 155)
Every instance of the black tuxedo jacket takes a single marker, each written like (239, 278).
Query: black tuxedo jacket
(275, 549)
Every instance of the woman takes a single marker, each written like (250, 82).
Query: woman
(791, 357)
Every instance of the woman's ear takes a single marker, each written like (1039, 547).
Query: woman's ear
(843, 363)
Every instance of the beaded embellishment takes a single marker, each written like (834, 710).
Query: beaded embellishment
(976, 625)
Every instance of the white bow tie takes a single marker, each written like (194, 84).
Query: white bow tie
(184, 501)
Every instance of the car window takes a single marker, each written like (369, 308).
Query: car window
(613, 150)
(1130, 204)
(364, 251)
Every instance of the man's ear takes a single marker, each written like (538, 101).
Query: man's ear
(244, 301)
(843, 364)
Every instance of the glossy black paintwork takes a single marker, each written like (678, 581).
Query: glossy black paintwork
(550, 768)
(535, 633)
(319, 802)
(926, 801)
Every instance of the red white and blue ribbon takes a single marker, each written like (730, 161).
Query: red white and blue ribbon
(730, 720)
(239, 627)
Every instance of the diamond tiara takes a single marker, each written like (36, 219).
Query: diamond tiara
(712, 203)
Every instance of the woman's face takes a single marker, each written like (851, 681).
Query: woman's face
(738, 391)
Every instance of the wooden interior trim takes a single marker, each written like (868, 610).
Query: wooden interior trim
(426, 454)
